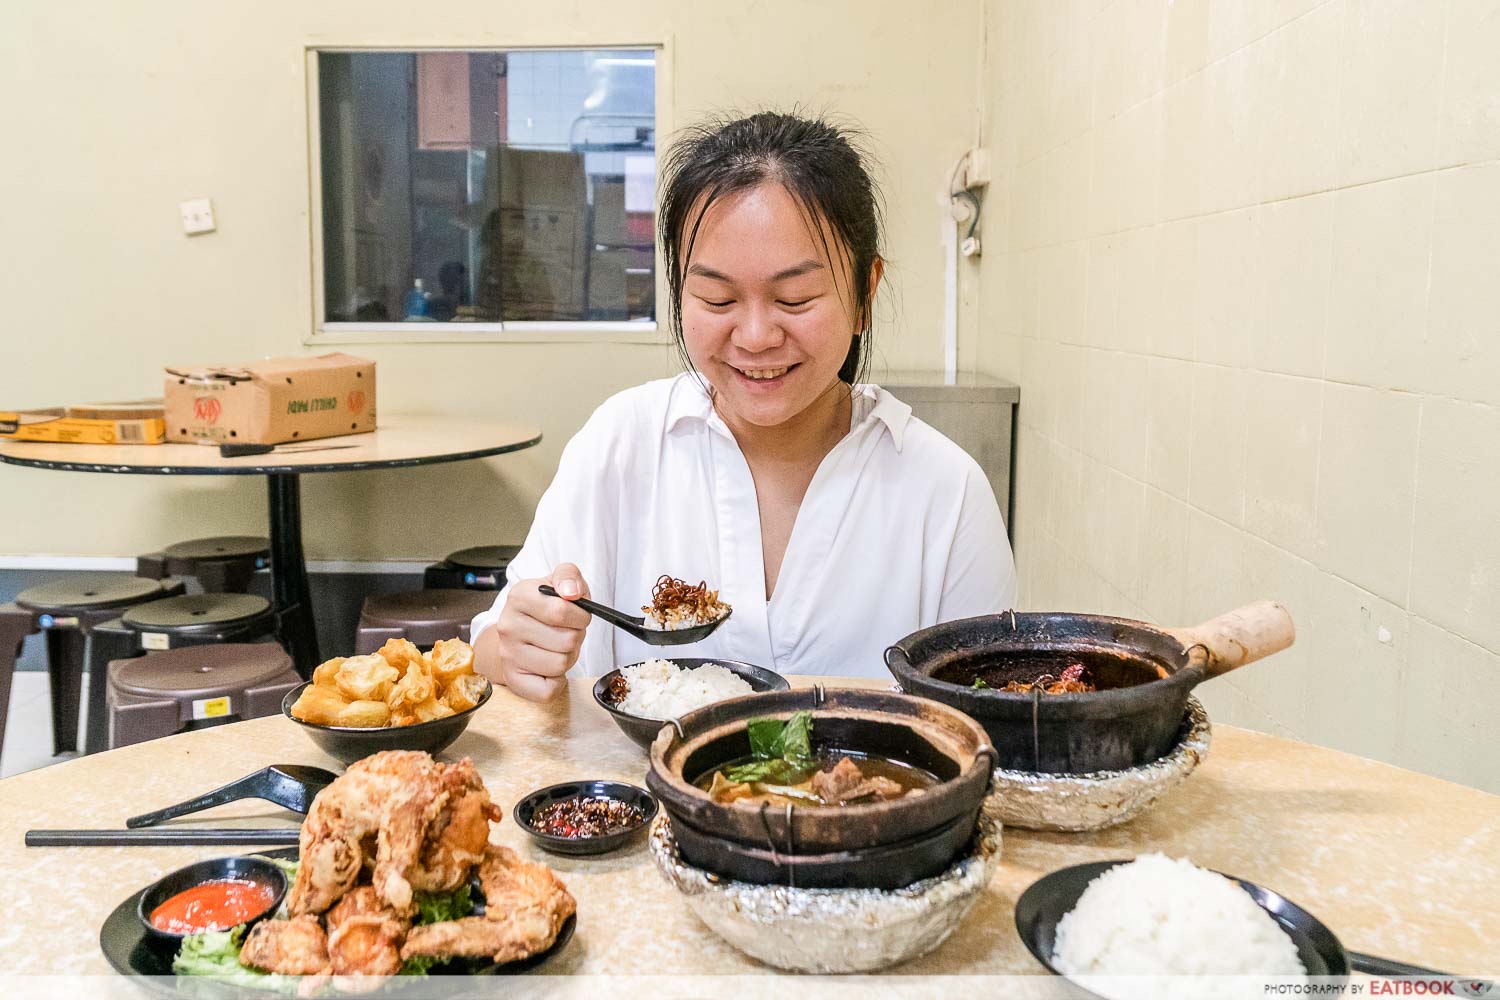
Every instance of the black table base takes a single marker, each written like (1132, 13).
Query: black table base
(291, 595)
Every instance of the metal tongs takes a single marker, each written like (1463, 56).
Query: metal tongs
(292, 786)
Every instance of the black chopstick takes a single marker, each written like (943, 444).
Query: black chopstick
(157, 836)
(1374, 965)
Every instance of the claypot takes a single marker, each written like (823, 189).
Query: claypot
(1144, 673)
(917, 731)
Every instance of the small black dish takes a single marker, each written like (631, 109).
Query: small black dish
(352, 743)
(889, 866)
(643, 730)
(618, 790)
(1052, 896)
(128, 951)
(251, 869)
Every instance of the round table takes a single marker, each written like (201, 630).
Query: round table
(398, 442)
(1397, 864)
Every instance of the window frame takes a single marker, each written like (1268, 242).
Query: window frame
(321, 333)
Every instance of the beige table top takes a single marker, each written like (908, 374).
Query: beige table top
(398, 441)
(1397, 864)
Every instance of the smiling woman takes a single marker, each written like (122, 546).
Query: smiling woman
(830, 519)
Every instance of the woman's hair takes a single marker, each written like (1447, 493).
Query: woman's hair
(818, 163)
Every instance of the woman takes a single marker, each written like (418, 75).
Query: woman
(830, 519)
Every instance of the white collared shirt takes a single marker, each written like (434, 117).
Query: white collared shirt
(899, 530)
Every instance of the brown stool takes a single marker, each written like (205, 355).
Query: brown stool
(423, 616)
(479, 568)
(187, 620)
(222, 565)
(195, 687)
(67, 612)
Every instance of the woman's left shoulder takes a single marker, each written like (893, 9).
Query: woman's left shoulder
(916, 445)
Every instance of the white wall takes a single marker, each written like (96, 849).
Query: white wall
(120, 112)
(1249, 285)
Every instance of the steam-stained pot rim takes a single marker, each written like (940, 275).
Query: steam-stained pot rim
(1153, 645)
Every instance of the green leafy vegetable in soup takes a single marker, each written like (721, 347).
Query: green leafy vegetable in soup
(784, 768)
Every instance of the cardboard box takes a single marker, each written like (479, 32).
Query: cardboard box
(271, 401)
(622, 284)
(115, 423)
(535, 239)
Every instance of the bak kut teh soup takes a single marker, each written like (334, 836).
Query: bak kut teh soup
(1054, 671)
(784, 768)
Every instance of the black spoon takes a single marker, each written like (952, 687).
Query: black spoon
(289, 785)
(637, 626)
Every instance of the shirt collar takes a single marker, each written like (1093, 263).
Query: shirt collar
(690, 401)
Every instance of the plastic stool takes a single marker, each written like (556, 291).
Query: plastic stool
(194, 687)
(423, 616)
(67, 612)
(478, 568)
(190, 620)
(222, 565)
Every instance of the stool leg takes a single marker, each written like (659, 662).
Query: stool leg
(65, 650)
(104, 646)
(9, 653)
(96, 720)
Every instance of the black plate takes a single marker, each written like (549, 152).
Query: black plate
(123, 941)
(585, 845)
(1045, 902)
(350, 743)
(643, 730)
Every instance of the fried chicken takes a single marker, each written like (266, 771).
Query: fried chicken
(525, 907)
(296, 947)
(427, 821)
(458, 835)
(365, 935)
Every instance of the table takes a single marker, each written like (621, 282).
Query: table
(399, 441)
(1397, 864)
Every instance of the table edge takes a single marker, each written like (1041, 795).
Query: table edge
(266, 470)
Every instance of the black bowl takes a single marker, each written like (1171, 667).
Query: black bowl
(643, 730)
(618, 790)
(352, 743)
(249, 868)
(889, 866)
(1047, 899)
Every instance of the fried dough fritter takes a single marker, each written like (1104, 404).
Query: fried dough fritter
(525, 907)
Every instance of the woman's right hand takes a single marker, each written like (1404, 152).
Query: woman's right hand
(538, 638)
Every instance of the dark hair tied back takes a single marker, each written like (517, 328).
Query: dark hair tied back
(821, 167)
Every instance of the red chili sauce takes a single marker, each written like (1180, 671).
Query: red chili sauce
(213, 906)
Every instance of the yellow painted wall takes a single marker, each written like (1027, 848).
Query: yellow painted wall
(122, 111)
(1243, 258)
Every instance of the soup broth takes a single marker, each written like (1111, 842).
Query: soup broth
(832, 778)
(1104, 669)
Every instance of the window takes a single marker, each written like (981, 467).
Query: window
(486, 187)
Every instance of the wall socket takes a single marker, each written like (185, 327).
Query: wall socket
(197, 216)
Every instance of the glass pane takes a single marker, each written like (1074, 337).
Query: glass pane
(488, 186)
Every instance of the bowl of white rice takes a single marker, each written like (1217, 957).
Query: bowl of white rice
(1159, 927)
(642, 697)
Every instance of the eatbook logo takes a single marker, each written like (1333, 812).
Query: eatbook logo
(356, 401)
(207, 409)
(1476, 987)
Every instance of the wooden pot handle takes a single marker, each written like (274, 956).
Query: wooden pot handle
(1241, 636)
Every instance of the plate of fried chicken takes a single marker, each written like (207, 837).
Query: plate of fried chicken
(395, 872)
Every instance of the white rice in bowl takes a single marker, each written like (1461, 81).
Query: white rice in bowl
(1163, 917)
(660, 689)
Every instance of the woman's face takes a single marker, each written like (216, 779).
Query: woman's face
(766, 320)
